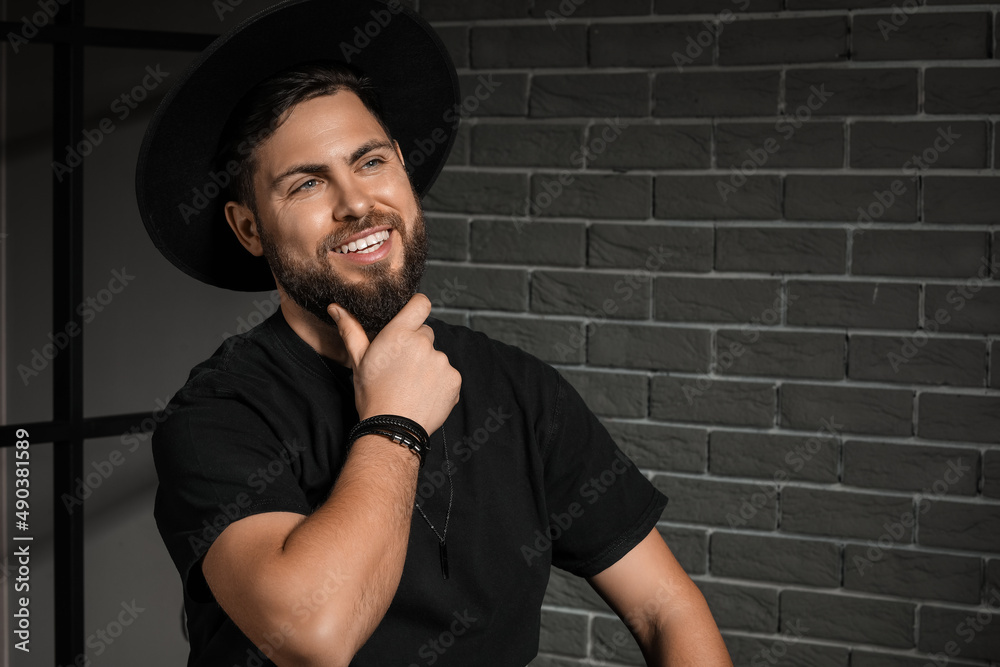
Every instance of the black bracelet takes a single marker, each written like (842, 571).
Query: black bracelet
(400, 430)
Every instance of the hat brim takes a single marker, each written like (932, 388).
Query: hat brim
(181, 193)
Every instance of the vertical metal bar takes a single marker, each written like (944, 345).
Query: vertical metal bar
(67, 287)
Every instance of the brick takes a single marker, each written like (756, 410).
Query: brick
(839, 4)
(705, 500)
(661, 247)
(542, 660)
(948, 254)
(786, 143)
(472, 192)
(959, 525)
(841, 514)
(594, 294)
(718, 198)
(555, 9)
(919, 359)
(541, 338)
(991, 474)
(463, 10)
(753, 608)
(969, 307)
(867, 91)
(447, 238)
(661, 447)
(881, 659)
(798, 40)
(653, 347)
(954, 90)
(611, 640)
(780, 249)
(938, 36)
(793, 651)
(780, 559)
(992, 576)
(969, 200)
(611, 394)
(645, 146)
(568, 591)
(717, 300)
(912, 574)
(714, 6)
(528, 145)
(775, 457)
(995, 365)
(563, 633)
(780, 353)
(959, 417)
(459, 155)
(912, 146)
(648, 44)
(849, 409)
(879, 622)
(712, 401)
(529, 46)
(743, 93)
(456, 40)
(545, 243)
(555, 95)
(689, 546)
(498, 95)
(617, 196)
(461, 286)
(942, 628)
(853, 304)
(840, 198)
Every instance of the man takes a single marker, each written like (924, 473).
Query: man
(290, 465)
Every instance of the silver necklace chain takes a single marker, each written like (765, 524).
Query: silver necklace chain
(443, 535)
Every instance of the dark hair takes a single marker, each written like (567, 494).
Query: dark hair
(263, 109)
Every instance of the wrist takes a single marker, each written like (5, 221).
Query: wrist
(399, 430)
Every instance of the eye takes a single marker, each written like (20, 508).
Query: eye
(373, 162)
(308, 185)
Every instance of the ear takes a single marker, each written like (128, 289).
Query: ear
(241, 220)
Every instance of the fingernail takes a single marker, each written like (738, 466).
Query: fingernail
(334, 313)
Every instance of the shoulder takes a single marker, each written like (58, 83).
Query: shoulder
(244, 387)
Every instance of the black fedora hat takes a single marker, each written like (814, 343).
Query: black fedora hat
(181, 191)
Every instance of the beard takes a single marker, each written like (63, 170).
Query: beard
(381, 292)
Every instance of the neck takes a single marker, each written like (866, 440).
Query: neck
(320, 336)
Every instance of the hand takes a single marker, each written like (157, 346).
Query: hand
(399, 372)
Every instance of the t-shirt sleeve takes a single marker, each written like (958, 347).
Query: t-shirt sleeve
(600, 505)
(217, 462)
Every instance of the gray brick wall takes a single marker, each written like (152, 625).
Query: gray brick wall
(760, 237)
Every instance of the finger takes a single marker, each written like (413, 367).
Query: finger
(351, 332)
(413, 315)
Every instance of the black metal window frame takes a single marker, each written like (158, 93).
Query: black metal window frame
(69, 428)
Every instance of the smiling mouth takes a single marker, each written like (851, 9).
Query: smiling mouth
(368, 244)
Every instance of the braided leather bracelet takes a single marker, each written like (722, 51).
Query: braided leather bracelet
(400, 430)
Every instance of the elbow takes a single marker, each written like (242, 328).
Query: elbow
(312, 641)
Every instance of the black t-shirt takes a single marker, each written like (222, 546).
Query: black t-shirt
(261, 427)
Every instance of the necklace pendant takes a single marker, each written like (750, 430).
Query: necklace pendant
(443, 553)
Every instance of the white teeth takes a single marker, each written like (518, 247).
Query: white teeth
(366, 245)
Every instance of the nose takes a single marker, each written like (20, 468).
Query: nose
(352, 200)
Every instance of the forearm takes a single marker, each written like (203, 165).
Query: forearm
(685, 635)
(328, 585)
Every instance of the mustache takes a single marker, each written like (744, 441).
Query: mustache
(375, 218)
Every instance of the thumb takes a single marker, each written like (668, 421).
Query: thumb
(351, 332)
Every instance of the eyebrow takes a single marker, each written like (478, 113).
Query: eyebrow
(312, 168)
